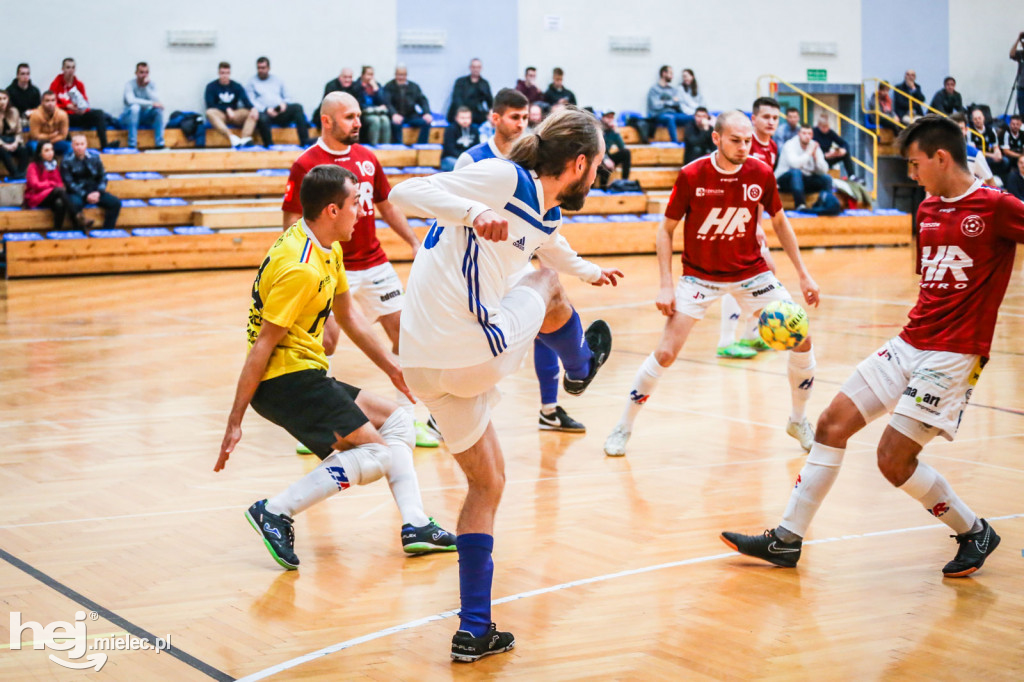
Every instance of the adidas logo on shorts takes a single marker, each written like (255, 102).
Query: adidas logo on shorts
(520, 243)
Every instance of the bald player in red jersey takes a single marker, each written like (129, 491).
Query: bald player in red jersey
(720, 197)
(765, 118)
(374, 284)
(926, 374)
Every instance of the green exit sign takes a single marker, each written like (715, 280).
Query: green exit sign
(817, 75)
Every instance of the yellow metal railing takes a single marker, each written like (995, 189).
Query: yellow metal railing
(840, 117)
(878, 114)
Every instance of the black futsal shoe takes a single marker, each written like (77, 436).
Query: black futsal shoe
(599, 339)
(974, 549)
(766, 546)
(466, 648)
(277, 533)
(559, 420)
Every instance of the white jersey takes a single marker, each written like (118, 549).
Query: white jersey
(452, 315)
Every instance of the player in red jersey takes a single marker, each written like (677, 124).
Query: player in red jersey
(374, 284)
(765, 117)
(926, 374)
(720, 196)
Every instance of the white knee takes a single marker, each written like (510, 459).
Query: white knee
(363, 464)
(399, 427)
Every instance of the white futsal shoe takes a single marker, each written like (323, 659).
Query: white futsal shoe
(802, 431)
(615, 445)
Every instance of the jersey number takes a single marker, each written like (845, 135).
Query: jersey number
(322, 315)
(257, 300)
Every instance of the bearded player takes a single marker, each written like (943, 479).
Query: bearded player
(720, 196)
(926, 374)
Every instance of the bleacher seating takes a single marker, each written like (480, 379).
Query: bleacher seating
(216, 208)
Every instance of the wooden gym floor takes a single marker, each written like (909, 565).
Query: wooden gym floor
(113, 396)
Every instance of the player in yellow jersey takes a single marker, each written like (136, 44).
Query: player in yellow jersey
(359, 436)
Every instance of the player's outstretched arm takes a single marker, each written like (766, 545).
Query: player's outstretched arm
(397, 221)
(787, 237)
(666, 300)
(459, 197)
(357, 328)
(557, 254)
(248, 381)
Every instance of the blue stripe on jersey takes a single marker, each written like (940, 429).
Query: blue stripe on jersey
(471, 271)
(530, 218)
(526, 191)
(480, 152)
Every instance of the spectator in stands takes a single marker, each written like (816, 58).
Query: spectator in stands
(474, 92)
(227, 103)
(905, 109)
(343, 83)
(615, 154)
(536, 115)
(142, 107)
(948, 100)
(557, 93)
(376, 120)
(1015, 180)
(663, 106)
(44, 187)
(887, 115)
(24, 96)
(408, 106)
(49, 124)
(690, 98)
(698, 136)
(802, 167)
(528, 85)
(975, 159)
(835, 148)
(1013, 140)
(13, 153)
(71, 98)
(270, 100)
(458, 137)
(86, 182)
(993, 154)
(789, 129)
(1017, 54)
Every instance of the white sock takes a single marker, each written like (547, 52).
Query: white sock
(928, 487)
(333, 475)
(400, 435)
(800, 369)
(643, 385)
(752, 332)
(548, 408)
(730, 318)
(406, 404)
(812, 485)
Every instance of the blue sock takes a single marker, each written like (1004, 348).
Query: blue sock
(475, 572)
(571, 347)
(545, 362)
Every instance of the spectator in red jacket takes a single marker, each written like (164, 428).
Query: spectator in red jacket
(44, 187)
(72, 99)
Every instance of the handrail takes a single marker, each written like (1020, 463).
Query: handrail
(901, 124)
(840, 117)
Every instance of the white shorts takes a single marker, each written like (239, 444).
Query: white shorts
(694, 295)
(378, 291)
(460, 399)
(930, 386)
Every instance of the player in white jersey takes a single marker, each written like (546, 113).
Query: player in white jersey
(464, 327)
(925, 376)
(509, 116)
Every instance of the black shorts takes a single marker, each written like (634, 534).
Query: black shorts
(311, 406)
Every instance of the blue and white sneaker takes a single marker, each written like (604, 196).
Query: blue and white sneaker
(277, 533)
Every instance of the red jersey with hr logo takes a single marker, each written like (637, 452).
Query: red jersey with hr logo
(363, 251)
(965, 249)
(721, 210)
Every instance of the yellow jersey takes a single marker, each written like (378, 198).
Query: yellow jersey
(295, 288)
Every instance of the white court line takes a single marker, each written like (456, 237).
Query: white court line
(349, 643)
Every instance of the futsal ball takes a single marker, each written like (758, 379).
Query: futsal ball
(783, 325)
